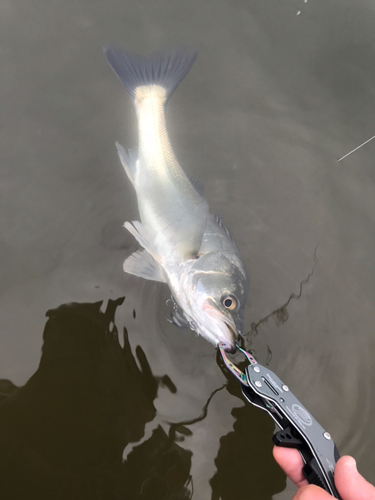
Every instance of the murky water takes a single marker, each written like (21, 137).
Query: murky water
(279, 92)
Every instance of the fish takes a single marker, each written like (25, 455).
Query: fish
(183, 244)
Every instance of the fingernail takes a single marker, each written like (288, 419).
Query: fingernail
(351, 463)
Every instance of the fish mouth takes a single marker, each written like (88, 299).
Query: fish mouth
(228, 329)
(230, 347)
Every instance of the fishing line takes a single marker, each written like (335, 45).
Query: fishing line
(368, 140)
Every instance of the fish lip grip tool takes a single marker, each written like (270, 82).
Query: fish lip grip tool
(299, 429)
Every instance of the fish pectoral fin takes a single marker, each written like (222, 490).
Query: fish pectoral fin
(142, 264)
(129, 160)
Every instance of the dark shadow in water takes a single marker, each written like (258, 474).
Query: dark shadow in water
(245, 465)
(63, 433)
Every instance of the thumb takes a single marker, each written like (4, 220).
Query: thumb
(312, 492)
(349, 482)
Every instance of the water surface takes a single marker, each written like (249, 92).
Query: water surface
(279, 92)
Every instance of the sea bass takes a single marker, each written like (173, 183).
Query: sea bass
(184, 245)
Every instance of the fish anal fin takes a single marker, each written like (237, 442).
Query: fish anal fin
(129, 160)
(142, 264)
(138, 230)
(197, 185)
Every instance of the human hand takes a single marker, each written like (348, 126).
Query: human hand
(349, 483)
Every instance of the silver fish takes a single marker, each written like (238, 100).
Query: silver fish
(183, 244)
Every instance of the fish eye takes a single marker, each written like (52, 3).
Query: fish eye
(229, 301)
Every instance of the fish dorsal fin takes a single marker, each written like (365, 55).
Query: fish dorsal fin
(142, 264)
(198, 186)
(129, 160)
(220, 221)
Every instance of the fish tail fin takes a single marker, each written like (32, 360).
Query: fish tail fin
(166, 68)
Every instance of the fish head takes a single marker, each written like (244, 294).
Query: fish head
(217, 289)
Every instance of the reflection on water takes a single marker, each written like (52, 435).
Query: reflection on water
(244, 462)
(63, 433)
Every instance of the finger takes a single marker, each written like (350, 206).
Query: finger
(349, 482)
(291, 462)
(312, 492)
